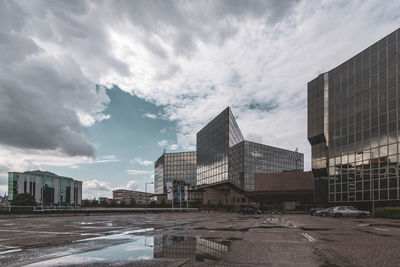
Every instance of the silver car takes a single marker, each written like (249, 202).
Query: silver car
(348, 211)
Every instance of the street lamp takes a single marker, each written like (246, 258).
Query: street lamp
(371, 188)
(145, 209)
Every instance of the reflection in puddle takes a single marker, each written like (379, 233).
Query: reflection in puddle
(145, 248)
(195, 248)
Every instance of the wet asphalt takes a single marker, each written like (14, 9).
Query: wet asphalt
(198, 239)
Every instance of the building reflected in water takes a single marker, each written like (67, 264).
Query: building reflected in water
(195, 248)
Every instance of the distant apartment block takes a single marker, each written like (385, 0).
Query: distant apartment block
(47, 188)
(127, 196)
(353, 127)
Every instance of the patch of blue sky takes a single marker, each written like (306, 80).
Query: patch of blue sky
(128, 134)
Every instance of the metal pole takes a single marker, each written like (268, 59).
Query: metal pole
(146, 203)
(42, 196)
(180, 197)
(145, 190)
(373, 204)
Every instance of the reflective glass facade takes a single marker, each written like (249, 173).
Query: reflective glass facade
(354, 134)
(171, 167)
(212, 144)
(248, 158)
(223, 155)
(47, 188)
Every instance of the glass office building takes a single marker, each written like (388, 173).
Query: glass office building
(248, 158)
(353, 126)
(172, 167)
(47, 188)
(224, 156)
(212, 144)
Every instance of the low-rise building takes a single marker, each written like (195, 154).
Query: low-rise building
(48, 188)
(128, 196)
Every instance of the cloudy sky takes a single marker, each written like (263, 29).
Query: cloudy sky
(96, 90)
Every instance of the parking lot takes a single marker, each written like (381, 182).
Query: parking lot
(201, 239)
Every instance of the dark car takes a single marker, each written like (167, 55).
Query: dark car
(249, 210)
(323, 213)
(312, 211)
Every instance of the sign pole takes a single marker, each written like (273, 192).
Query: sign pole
(180, 197)
(186, 189)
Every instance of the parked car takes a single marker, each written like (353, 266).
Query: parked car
(249, 210)
(312, 211)
(348, 211)
(323, 212)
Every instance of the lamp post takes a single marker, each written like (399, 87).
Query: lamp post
(145, 209)
(61, 194)
(371, 188)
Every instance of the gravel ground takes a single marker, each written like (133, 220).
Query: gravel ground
(200, 239)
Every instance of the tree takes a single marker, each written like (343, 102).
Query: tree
(133, 203)
(94, 203)
(103, 203)
(122, 204)
(24, 199)
(114, 203)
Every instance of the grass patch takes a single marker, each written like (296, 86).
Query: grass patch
(388, 212)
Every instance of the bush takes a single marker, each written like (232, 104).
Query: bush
(388, 212)
(24, 199)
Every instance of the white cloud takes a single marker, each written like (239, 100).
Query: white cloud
(162, 143)
(138, 172)
(132, 185)
(142, 162)
(151, 116)
(193, 58)
(173, 147)
(95, 188)
(21, 160)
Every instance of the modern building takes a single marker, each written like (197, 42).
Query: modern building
(48, 188)
(128, 196)
(224, 166)
(353, 127)
(227, 164)
(174, 167)
(283, 190)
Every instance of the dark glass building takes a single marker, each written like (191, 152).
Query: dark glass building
(353, 125)
(170, 167)
(224, 166)
(212, 145)
(248, 158)
(224, 156)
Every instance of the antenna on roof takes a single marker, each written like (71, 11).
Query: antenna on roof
(164, 150)
(296, 150)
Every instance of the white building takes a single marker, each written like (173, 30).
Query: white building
(141, 198)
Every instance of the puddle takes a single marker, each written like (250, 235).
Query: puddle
(123, 235)
(147, 248)
(9, 251)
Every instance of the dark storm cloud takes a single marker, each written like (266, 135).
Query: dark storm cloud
(40, 95)
(209, 21)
